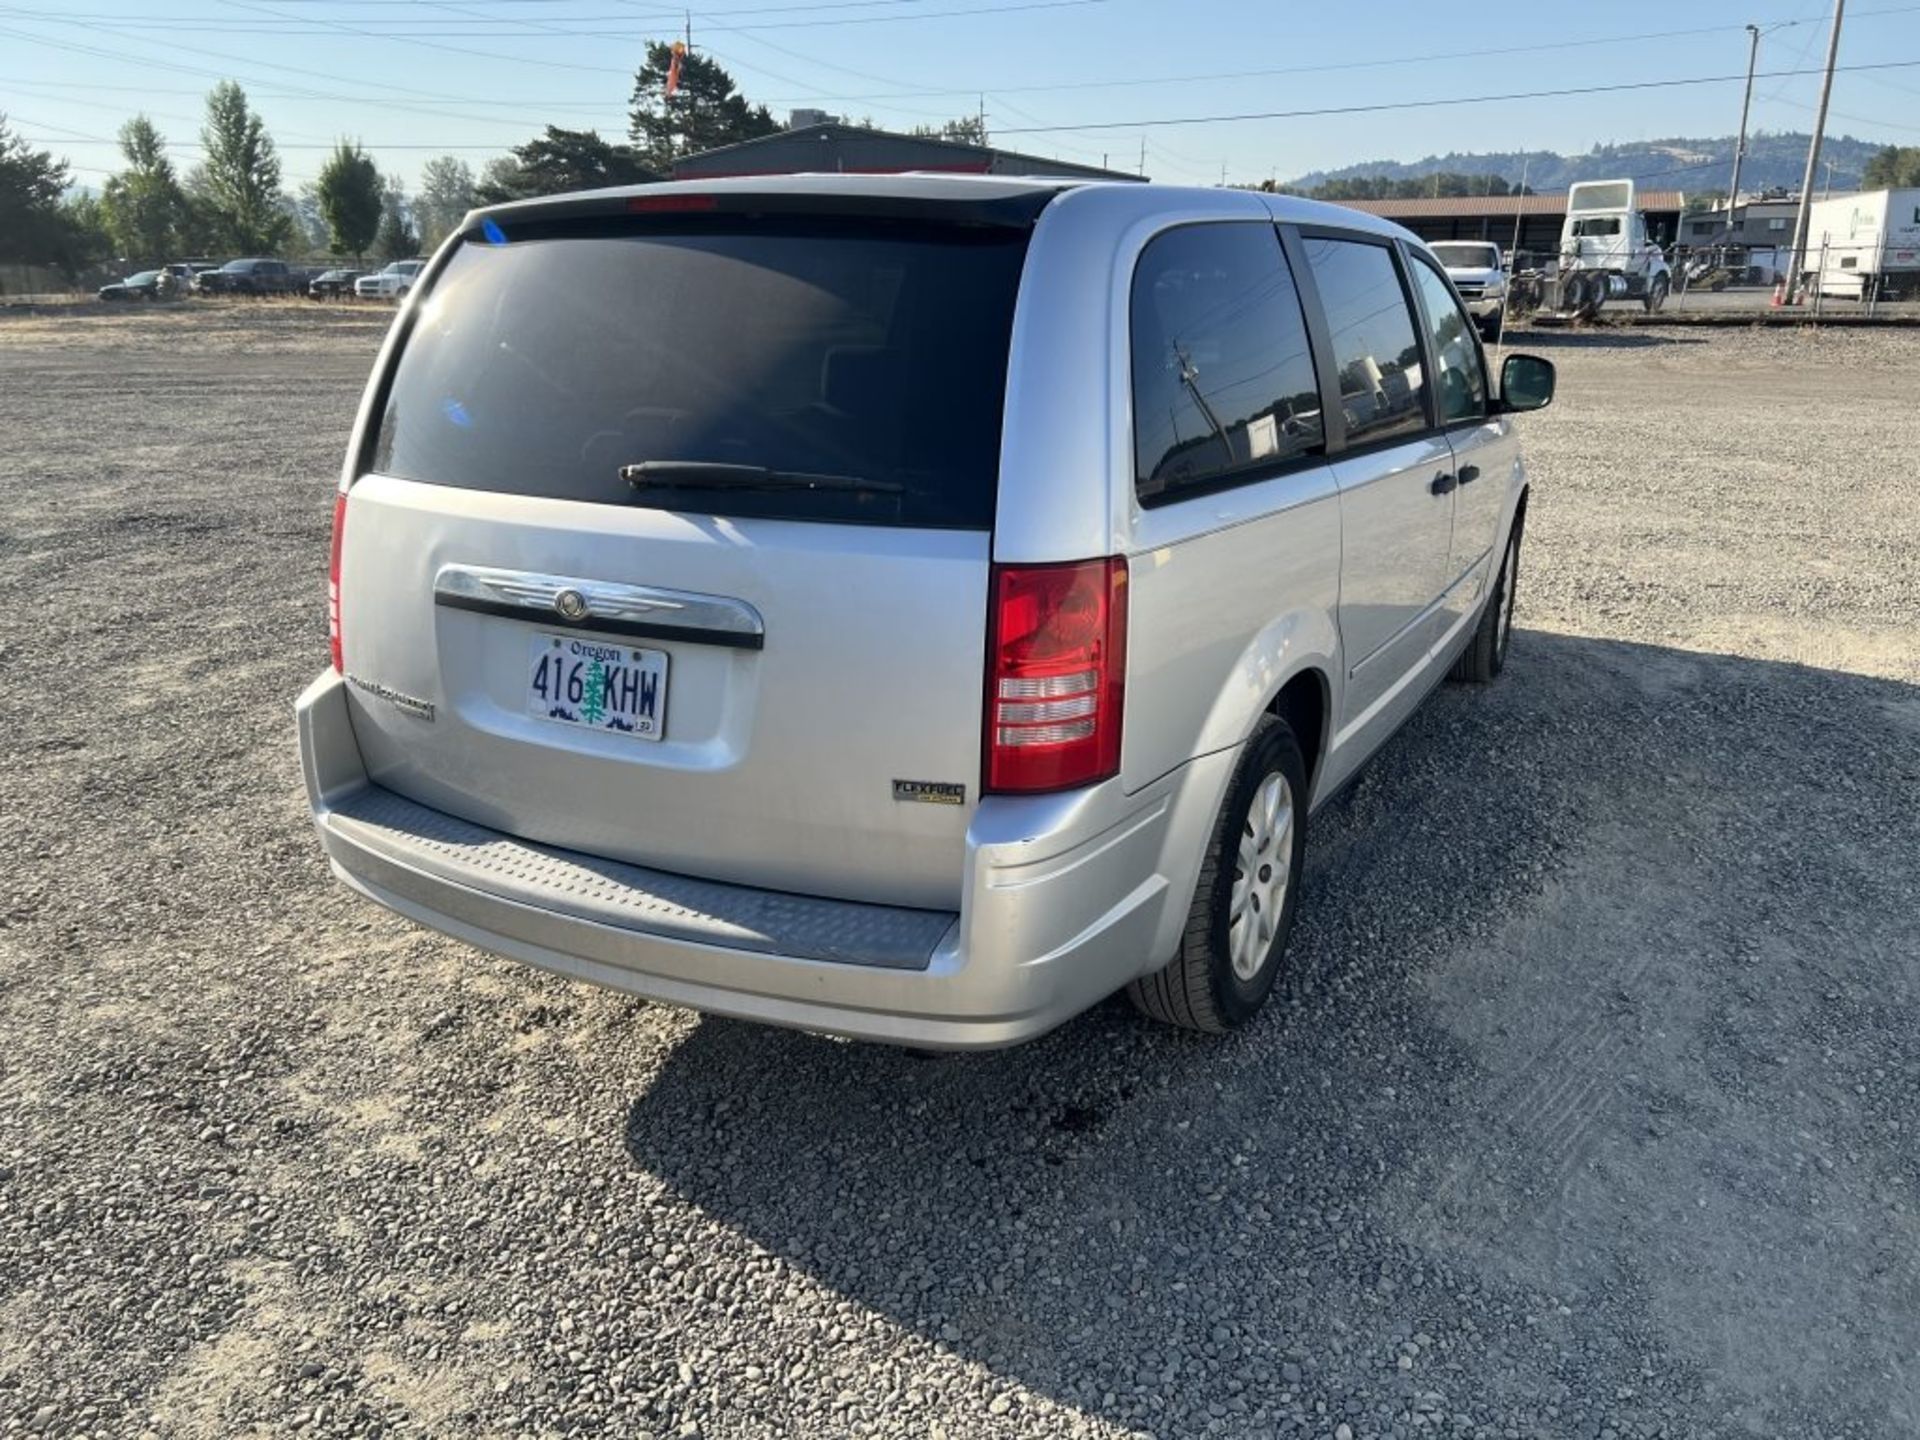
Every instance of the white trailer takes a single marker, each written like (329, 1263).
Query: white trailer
(1866, 245)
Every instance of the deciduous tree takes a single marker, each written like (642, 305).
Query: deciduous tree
(967, 129)
(142, 207)
(240, 178)
(1895, 167)
(446, 194)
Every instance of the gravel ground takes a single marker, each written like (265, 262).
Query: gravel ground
(1587, 1108)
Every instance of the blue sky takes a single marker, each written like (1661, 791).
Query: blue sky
(475, 76)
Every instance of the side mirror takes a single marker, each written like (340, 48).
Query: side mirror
(1526, 383)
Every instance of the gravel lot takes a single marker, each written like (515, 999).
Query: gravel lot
(1588, 1108)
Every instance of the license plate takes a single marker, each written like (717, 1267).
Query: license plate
(597, 686)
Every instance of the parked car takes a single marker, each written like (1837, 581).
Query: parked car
(143, 285)
(1476, 271)
(905, 607)
(332, 284)
(246, 277)
(392, 283)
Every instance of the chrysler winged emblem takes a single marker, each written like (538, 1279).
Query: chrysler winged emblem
(570, 605)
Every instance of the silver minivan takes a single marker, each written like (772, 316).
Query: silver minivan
(911, 607)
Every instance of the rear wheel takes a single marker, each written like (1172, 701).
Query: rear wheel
(1657, 293)
(1236, 936)
(1486, 654)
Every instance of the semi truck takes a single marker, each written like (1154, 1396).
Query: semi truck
(1865, 246)
(1605, 254)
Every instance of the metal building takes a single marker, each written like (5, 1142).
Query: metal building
(837, 148)
(1492, 217)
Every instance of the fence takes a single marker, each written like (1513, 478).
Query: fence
(1839, 278)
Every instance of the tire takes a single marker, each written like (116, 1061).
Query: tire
(1657, 293)
(1203, 988)
(1491, 327)
(1486, 654)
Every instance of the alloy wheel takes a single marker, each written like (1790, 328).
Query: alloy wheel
(1262, 869)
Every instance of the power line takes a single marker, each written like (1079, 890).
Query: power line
(288, 26)
(815, 94)
(415, 105)
(1382, 106)
(1390, 105)
(1161, 81)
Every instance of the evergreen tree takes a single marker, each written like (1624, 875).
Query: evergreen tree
(557, 162)
(706, 111)
(397, 239)
(36, 228)
(351, 200)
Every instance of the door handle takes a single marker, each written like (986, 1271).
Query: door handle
(1443, 483)
(1469, 474)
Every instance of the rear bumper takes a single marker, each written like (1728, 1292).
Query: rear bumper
(1065, 899)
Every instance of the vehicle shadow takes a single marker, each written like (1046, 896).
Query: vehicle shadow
(1175, 1232)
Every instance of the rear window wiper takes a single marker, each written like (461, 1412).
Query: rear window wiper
(716, 475)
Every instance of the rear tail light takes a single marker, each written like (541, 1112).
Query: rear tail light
(333, 580)
(1056, 675)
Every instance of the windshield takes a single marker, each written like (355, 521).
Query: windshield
(1456, 256)
(876, 352)
(142, 277)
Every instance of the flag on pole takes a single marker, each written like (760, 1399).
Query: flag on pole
(673, 67)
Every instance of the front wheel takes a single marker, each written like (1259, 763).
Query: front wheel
(1242, 914)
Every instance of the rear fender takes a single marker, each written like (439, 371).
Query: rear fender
(1292, 644)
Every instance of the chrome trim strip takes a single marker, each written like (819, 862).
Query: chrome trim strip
(640, 610)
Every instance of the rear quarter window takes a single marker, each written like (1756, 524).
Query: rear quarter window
(542, 366)
(1224, 388)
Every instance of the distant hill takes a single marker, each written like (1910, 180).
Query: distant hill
(1697, 166)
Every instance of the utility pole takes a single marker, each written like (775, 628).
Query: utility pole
(1143, 154)
(1513, 262)
(1827, 194)
(1740, 145)
(1797, 256)
(983, 118)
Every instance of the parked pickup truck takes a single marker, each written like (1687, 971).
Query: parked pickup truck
(246, 277)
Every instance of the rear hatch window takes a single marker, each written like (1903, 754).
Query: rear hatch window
(760, 355)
